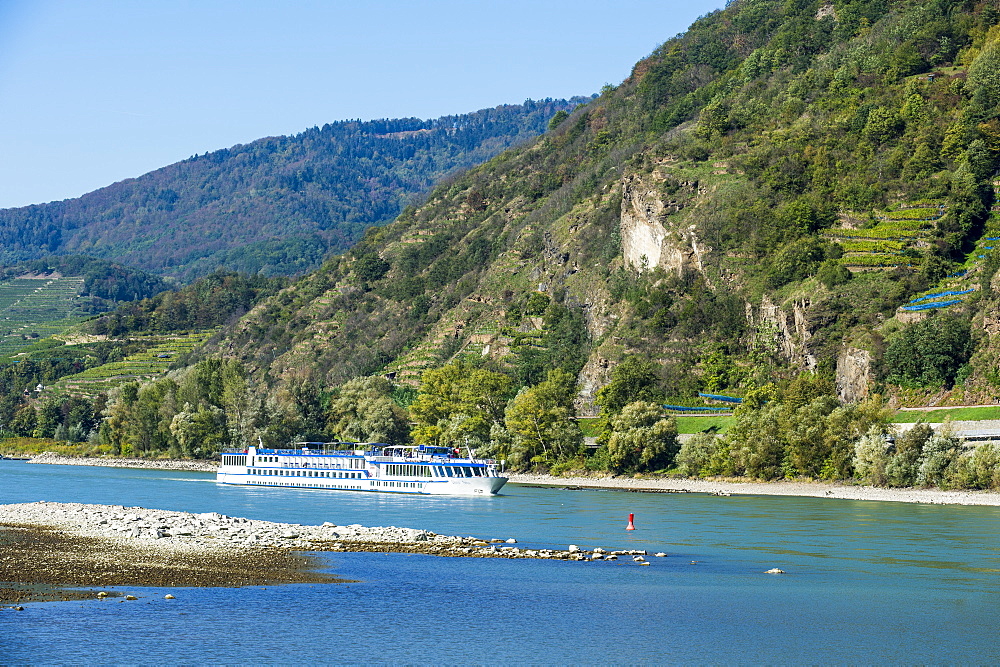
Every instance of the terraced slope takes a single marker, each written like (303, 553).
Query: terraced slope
(149, 364)
(37, 307)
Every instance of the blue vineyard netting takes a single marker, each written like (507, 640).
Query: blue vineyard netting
(934, 296)
(681, 408)
(935, 304)
(958, 274)
(716, 397)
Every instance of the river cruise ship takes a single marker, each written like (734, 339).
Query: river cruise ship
(417, 469)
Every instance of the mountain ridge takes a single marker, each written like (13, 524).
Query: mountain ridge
(276, 205)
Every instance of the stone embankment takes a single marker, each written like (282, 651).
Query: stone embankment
(154, 464)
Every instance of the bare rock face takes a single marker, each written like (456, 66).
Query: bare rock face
(594, 375)
(910, 316)
(854, 374)
(646, 242)
(791, 330)
(991, 324)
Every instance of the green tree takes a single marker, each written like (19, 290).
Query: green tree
(198, 432)
(904, 464)
(632, 380)
(642, 438)
(48, 419)
(871, 456)
(363, 410)
(456, 402)
(695, 455)
(984, 72)
(540, 420)
(558, 118)
(241, 403)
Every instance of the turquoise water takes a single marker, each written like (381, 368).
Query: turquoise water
(866, 582)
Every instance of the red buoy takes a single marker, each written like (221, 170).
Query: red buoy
(631, 526)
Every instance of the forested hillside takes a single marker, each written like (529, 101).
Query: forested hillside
(791, 204)
(278, 205)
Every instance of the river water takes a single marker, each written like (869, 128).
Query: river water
(865, 582)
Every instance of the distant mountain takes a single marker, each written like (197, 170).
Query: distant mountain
(278, 205)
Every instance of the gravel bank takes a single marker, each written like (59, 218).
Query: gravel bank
(70, 544)
(152, 464)
(809, 489)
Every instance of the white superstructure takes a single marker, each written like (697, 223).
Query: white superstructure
(363, 467)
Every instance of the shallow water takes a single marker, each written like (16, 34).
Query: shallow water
(865, 582)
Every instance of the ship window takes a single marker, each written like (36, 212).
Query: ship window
(468, 472)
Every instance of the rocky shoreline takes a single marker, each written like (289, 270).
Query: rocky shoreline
(809, 489)
(58, 545)
(189, 465)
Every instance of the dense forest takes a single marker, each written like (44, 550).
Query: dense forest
(278, 205)
(792, 204)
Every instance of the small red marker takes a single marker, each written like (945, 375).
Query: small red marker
(631, 525)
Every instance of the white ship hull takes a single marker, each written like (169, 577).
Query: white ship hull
(388, 470)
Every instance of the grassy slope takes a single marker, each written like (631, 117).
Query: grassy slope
(947, 414)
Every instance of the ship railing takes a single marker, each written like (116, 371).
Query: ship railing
(429, 458)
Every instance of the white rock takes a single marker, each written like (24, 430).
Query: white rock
(511, 541)
(573, 548)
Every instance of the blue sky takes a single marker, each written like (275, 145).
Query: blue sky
(95, 91)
